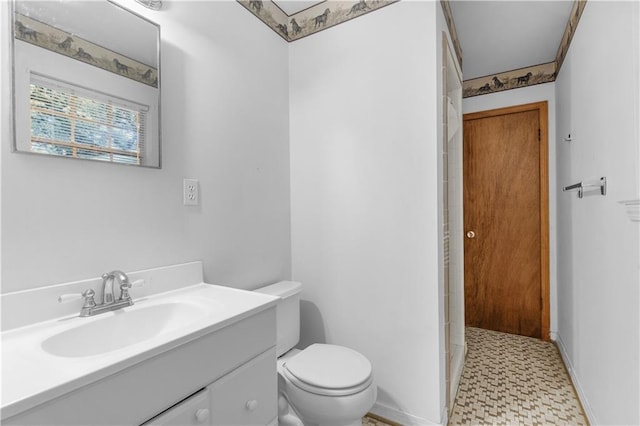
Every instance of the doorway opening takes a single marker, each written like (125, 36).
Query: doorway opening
(506, 220)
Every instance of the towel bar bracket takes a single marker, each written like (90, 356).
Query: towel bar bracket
(581, 187)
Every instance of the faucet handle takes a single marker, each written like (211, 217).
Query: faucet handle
(65, 298)
(87, 294)
(88, 304)
(125, 286)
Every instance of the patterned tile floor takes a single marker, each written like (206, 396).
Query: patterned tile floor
(510, 379)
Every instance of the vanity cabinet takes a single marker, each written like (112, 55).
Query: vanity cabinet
(193, 411)
(224, 377)
(238, 398)
(245, 396)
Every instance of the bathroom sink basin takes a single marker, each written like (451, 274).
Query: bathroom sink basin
(118, 329)
(60, 352)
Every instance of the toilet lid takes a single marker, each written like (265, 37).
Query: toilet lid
(329, 370)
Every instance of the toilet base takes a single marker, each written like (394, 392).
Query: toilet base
(288, 417)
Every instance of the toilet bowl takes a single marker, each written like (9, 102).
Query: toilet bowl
(322, 384)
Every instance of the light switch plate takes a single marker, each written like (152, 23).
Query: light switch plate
(191, 196)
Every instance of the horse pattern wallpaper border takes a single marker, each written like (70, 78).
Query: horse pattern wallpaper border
(56, 40)
(309, 21)
(522, 77)
(569, 31)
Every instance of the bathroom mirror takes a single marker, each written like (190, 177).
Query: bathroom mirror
(86, 81)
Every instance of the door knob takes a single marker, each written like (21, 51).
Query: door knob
(471, 234)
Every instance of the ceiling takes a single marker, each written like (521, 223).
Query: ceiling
(291, 7)
(498, 36)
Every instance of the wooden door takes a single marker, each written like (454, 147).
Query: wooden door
(506, 220)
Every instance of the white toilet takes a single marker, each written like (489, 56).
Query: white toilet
(326, 385)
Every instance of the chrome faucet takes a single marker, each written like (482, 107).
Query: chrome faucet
(109, 301)
(108, 278)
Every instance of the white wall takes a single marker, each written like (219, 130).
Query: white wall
(225, 122)
(598, 246)
(538, 93)
(364, 199)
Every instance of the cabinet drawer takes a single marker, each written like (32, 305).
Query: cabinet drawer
(247, 396)
(193, 411)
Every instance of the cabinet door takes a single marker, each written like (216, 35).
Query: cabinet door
(193, 411)
(248, 395)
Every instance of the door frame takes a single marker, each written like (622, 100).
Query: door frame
(543, 120)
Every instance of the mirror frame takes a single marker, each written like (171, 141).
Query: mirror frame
(13, 129)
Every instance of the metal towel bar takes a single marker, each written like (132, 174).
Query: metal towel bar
(582, 186)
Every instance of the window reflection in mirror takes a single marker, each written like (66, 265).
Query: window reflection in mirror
(86, 82)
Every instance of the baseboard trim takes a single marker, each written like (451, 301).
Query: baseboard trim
(398, 417)
(383, 419)
(577, 386)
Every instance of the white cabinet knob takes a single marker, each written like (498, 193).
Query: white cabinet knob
(202, 415)
(251, 405)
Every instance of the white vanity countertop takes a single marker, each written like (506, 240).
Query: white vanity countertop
(31, 375)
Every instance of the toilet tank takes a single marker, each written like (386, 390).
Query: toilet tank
(287, 313)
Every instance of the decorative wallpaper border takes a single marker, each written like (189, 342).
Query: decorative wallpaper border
(569, 31)
(56, 40)
(522, 77)
(309, 21)
(448, 16)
